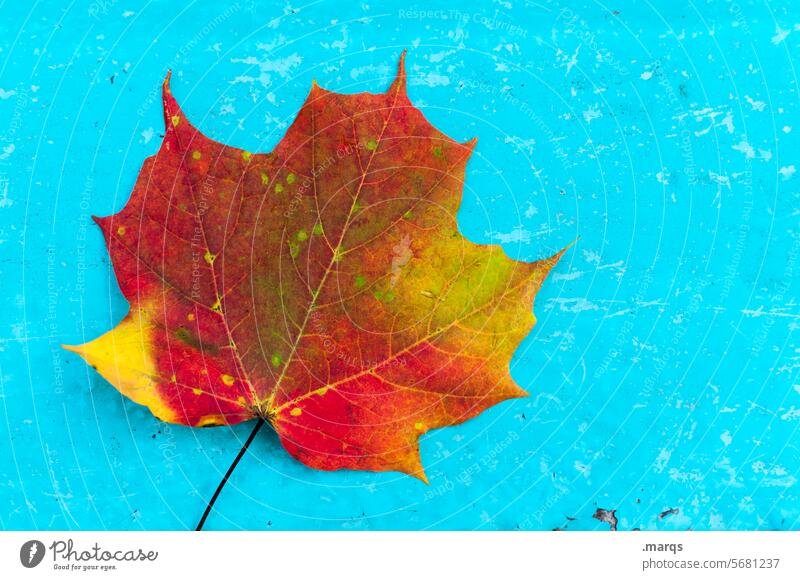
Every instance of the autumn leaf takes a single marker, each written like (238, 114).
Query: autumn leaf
(323, 287)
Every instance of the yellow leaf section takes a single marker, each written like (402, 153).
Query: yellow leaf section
(210, 421)
(124, 357)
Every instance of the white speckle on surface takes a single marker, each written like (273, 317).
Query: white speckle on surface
(716, 522)
(726, 438)
(756, 105)
(703, 131)
(662, 460)
(746, 505)
(586, 470)
(705, 113)
(663, 177)
(684, 476)
(791, 415)
(430, 79)
(727, 122)
(517, 235)
(592, 113)
(521, 144)
(573, 61)
(574, 305)
(439, 56)
(7, 94)
(7, 151)
(646, 76)
(787, 129)
(284, 67)
(774, 475)
(745, 148)
(147, 134)
(787, 172)
(570, 276)
(720, 179)
(339, 45)
(780, 35)
(619, 265)
(4, 202)
(591, 256)
(374, 71)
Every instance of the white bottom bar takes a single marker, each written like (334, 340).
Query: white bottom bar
(379, 555)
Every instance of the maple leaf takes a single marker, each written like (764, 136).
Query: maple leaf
(323, 287)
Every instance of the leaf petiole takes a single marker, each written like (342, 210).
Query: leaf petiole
(256, 429)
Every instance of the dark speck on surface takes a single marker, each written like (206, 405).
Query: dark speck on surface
(668, 512)
(607, 516)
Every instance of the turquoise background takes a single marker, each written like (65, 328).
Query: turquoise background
(663, 369)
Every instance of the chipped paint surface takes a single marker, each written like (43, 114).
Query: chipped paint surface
(663, 370)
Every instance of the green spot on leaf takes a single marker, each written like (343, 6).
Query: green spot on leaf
(317, 229)
(196, 155)
(264, 179)
(187, 337)
(408, 215)
(302, 235)
(437, 151)
(372, 145)
(294, 249)
(276, 360)
(290, 178)
(246, 155)
(360, 281)
(278, 188)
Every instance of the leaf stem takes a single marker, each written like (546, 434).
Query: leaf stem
(259, 424)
